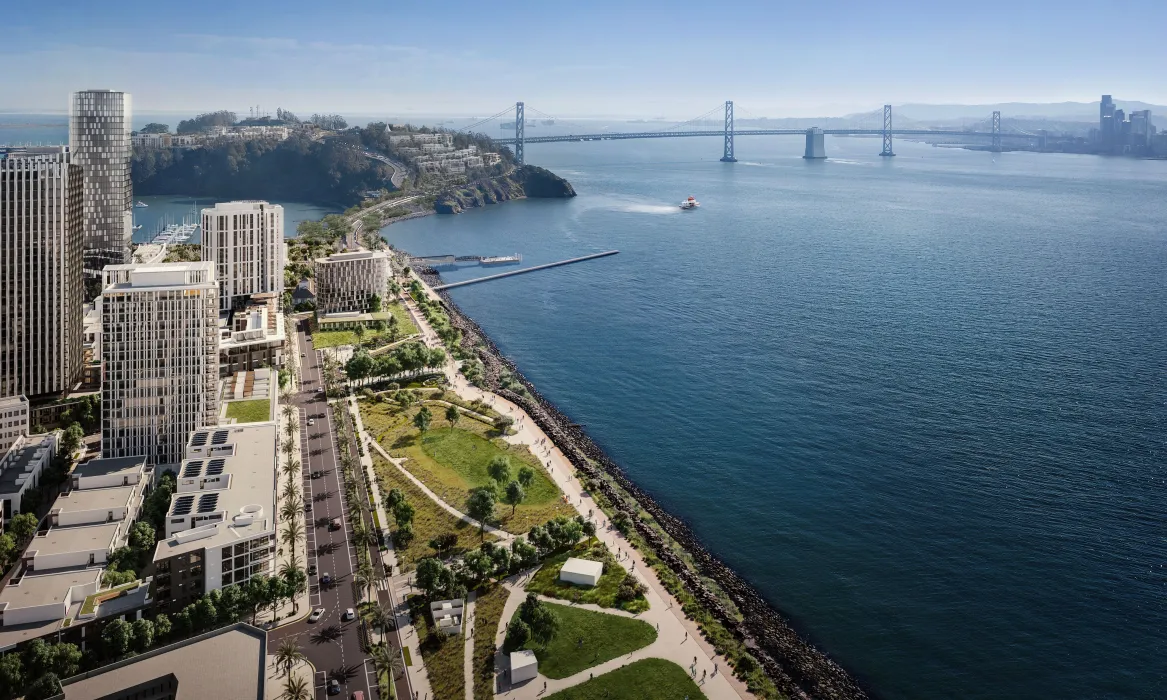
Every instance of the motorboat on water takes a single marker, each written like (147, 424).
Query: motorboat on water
(690, 203)
(140, 204)
(138, 227)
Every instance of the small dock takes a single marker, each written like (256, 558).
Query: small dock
(525, 270)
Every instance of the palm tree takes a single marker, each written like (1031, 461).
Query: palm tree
(288, 654)
(365, 571)
(383, 618)
(292, 533)
(362, 582)
(291, 468)
(290, 490)
(289, 566)
(291, 508)
(289, 448)
(296, 688)
(387, 661)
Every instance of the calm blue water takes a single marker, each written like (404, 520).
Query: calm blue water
(161, 210)
(919, 402)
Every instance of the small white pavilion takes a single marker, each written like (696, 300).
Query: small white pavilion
(582, 572)
(524, 665)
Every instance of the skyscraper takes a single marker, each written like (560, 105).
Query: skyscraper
(245, 240)
(1106, 120)
(99, 141)
(41, 285)
(160, 358)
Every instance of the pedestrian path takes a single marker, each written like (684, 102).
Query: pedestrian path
(468, 636)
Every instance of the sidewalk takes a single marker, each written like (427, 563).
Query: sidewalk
(302, 606)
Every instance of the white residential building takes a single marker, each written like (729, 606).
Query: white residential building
(13, 420)
(160, 358)
(99, 142)
(491, 158)
(245, 240)
(21, 468)
(347, 281)
(42, 288)
(221, 526)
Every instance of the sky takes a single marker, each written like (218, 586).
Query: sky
(596, 58)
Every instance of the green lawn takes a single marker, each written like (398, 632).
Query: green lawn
(604, 637)
(647, 679)
(443, 655)
(252, 411)
(487, 614)
(405, 327)
(546, 580)
(429, 519)
(452, 460)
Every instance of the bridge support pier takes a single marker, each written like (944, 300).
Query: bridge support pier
(996, 147)
(887, 152)
(520, 120)
(815, 144)
(727, 154)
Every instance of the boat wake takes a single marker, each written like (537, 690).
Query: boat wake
(641, 208)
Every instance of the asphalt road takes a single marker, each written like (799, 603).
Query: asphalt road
(331, 645)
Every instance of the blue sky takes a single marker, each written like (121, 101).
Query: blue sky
(602, 57)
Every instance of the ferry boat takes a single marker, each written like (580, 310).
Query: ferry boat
(507, 125)
(502, 259)
(690, 203)
(140, 204)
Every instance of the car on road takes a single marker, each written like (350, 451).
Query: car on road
(334, 524)
(311, 569)
(317, 613)
(333, 687)
(311, 422)
(325, 579)
(302, 355)
(348, 615)
(317, 474)
(358, 695)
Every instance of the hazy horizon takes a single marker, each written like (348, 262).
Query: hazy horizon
(602, 60)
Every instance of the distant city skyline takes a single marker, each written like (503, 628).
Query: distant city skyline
(675, 59)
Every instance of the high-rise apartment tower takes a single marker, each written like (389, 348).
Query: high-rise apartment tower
(99, 141)
(245, 240)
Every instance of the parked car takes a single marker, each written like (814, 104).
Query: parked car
(311, 569)
(317, 613)
(310, 421)
(359, 695)
(333, 687)
(348, 615)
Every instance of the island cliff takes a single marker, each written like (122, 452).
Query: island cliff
(524, 181)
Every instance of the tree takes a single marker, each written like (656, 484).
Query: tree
(11, 675)
(403, 513)
(518, 632)
(526, 476)
(403, 535)
(452, 414)
(383, 618)
(43, 688)
(430, 576)
(499, 469)
(297, 583)
(7, 548)
(292, 532)
(204, 614)
(296, 688)
(375, 303)
(387, 661)
(444, 541)
(503, 423)
(162, 626)
(288, 654)
(543, 623)
(117, 635)
(422, 420)
(525, 553)
(258, 592)
(23, 527)
(71, 440)
(514, 495)
(142, 535)
(394, 497)
(480, 506)
(155, 128)
(143, 634)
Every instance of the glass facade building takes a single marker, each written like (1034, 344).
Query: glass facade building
(99, 141)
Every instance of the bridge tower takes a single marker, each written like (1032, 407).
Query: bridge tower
(886, 132)
(996, 132)
(519, 124)
(727, 155)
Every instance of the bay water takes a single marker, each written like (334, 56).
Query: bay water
(919, 402)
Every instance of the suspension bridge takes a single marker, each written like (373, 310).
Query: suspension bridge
(815, 144)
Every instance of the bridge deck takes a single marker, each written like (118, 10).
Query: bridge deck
(618, 136)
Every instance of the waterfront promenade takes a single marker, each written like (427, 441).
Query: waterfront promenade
(679, 640)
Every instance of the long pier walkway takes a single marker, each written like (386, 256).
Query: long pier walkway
(525, 270)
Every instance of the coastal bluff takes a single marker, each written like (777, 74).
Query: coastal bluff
(524, 181)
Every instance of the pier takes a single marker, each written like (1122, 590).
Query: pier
(525, 270)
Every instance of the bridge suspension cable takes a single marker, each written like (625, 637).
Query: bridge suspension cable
(475, 125)
(558, 121)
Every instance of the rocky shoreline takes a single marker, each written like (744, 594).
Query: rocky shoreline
(797, 667)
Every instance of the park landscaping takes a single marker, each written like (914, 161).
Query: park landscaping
(251, 411)
(587, 638)
(429, 519)
(607, 594)
(647, 679)
(442, 654)
(372, 337)
(453, 459)
(488, 608)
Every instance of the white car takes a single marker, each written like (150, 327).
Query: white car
(317, 613)
(348, 615)
(311, 422)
